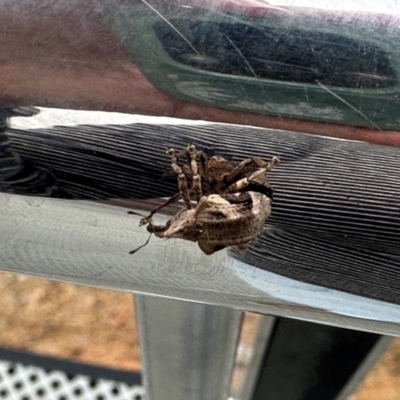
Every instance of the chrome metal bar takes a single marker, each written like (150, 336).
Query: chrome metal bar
(251, 367)
(89, 243)
(188, 350)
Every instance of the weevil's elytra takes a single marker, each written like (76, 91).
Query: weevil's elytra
(233, 201)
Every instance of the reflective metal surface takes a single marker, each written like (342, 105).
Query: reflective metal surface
(257, 349)
(90, 55)
(86, 242)
(188, 350)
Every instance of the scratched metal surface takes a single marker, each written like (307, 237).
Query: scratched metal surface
(335, 219)
(66, 54)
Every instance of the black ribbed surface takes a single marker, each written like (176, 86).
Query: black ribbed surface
(336, 210)
(306, 361)
(313, 259)
(17, 175)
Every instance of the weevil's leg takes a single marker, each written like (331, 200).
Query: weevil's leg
(182, 181)
(259, 173)
(196, 184)
(259, 176)
(238, 186)
(237, 170)
(268, 165)
(252, 184)
(203, 164)
(257, 181)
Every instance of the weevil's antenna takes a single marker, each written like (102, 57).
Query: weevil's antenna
(147, 241)
(172, 199)
(143, 245)
(135, 213)
(147, 220)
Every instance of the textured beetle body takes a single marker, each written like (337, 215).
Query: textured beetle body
(216, 223)
(233, 201)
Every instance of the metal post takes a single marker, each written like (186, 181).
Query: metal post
(188, 349)
(249, 370)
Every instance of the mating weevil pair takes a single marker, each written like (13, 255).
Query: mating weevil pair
(233, 201)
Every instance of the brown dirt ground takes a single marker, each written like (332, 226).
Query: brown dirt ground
(59, 319)
(97, 326)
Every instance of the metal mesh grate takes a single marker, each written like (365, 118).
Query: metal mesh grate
(26, 382)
